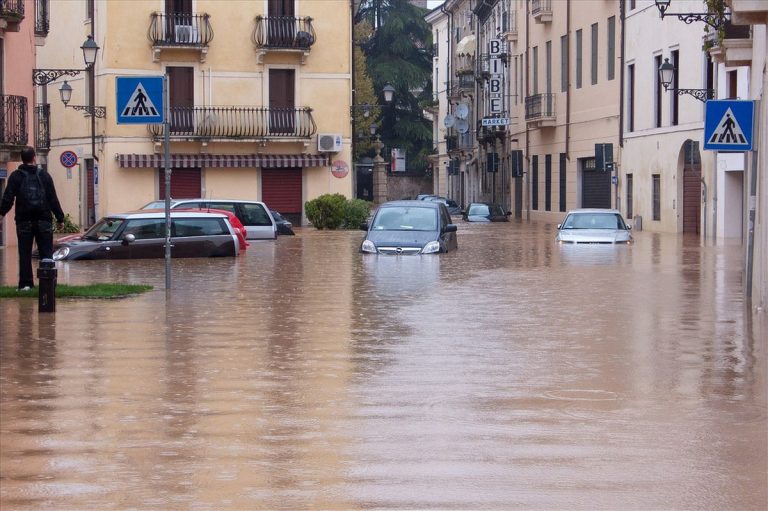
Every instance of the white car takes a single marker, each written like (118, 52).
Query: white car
(594, 226)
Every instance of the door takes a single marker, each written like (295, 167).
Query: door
(281, 102)
(181, 95)
(691, 198)
(281, 31)
(178, 21)
(185, 183)
(595, 186)
(281, 191)
(90, 191)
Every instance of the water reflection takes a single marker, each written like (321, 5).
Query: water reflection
(512, 373)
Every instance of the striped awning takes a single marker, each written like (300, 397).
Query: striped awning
(227, 161)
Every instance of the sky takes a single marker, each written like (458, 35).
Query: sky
(433, 3)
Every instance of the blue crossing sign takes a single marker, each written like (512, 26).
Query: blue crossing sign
(728, 125)
(139, 99)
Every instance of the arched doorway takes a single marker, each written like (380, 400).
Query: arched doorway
(691, 187)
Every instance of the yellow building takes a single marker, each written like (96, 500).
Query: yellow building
(258, 91)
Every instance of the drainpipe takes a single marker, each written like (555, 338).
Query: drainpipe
(448, 84)
(622, 16)
(352, 110)
(527, 90)
(568, 86)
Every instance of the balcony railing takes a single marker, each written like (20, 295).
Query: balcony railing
(233, 122)
(12, 10)
(180, 30)
(43, 128)
(509, 25)
(284, 33)
(13, 121)
(465, 64)
(540, 109)
(541, 10)
(42, 17)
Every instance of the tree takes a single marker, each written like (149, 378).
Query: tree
(399, 53)
(364, 94)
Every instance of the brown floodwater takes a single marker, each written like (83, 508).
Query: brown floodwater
(511, 374)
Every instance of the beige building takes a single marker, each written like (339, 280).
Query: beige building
(259, 95)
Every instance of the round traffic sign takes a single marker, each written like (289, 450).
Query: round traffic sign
(68, 159)
(339, 169)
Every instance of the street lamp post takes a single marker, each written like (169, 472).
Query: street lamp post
(714, 19)
(367, 111)
(667, 75)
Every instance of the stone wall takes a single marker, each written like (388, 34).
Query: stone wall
(405, 186)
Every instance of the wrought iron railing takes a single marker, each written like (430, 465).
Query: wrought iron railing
(42, 17)
(12, 10)
(13, 120)
(465, 64)
(43, 127)
(539, 106)
(284, 32)
(509, 22)
(238, 122)
(179, 29)
(541, 7)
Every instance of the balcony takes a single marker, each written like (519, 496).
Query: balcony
(42, 18)
(749, 12)
(240, 124)
(465, 64)
(509, 26)
(13, 125)
(43, 128)
(287, 34)
(541, 10)
(174, 31)
(736, 47)
(11, 14)
(540, 110)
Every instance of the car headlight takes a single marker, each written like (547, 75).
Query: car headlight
(61, 253)
(368, 247)
(431, 248)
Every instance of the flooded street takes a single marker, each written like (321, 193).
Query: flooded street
(511, 374)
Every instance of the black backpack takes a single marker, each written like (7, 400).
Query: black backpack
(32, 192)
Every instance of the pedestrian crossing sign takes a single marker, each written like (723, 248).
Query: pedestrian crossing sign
(728, 125)
(139, 99)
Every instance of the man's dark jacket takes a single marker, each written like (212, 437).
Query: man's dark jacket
(15, 180)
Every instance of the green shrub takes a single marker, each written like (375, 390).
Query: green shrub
(70, 227)
(326, 211)
(356, 211)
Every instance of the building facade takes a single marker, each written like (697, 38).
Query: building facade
(258, 102)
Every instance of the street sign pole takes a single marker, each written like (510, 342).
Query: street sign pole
(167, 165)
(752, 207)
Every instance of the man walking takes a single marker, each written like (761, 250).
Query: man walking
(36, 202)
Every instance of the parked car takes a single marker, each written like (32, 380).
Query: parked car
(409, 228)
(141, 235)
(424, 196)
(283, 226)
(453, 208)
(595, 226)
(254, 215)
(485, 212)
(237, 225)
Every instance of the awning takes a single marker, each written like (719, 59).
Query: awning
(466, 46)
(227, 161)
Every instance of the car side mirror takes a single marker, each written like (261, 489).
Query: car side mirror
(559, 225)
(364, 226)
(128, 238)
(450, 228)
(629, 227)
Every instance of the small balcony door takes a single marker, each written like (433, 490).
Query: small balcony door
(281, 30)
(282, 101)
(179, 21)
(181, 95)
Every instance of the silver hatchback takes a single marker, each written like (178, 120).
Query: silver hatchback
(594, 226)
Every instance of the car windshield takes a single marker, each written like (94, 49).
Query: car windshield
(104, 229)
(405, 219)
(594, 221)
(478, 210)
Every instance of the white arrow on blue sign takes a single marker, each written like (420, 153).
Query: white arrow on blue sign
(728, 125)
(140, 100)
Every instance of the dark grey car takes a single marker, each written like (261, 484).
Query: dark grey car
(409, 228)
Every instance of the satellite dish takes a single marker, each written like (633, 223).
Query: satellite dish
(462, 126)
(462, 110)
(449, 121)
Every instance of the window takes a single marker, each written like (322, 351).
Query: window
(253, 214)
(594, 54)
(562, 181)
(629, 196)
(436, 45)
(657, 92)
(548, 69)
(631, 4)
(656, 196)
(535, 183)
(535, 70)
(611, 47)
(578, 59)
(144, 229)
(733, 84)
(563, 63)
(548, 182)
(675, 98)
(187, 227)
(89, 9)
(631, 97)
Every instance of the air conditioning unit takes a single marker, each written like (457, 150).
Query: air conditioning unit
(329, 142)
(187, 34)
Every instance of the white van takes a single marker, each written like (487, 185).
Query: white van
(255, 216)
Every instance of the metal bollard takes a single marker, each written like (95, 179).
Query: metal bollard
(46, 276)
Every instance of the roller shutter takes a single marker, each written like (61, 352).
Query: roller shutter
(595, 189)
(185, 183)
(281, 191)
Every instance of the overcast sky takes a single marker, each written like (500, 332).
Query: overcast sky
(433, 3)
